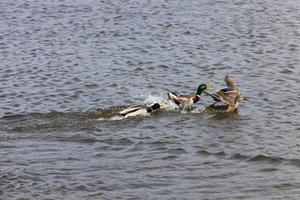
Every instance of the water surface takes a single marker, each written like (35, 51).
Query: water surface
(65, 64)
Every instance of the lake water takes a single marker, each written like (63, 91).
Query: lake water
(64, 64)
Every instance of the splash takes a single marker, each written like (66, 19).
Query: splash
(162, 100)
(149, 99)
(114, 118)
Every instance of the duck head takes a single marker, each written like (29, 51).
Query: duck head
(153, 107)
(203, 87)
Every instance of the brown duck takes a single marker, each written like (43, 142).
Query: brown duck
(226, 99)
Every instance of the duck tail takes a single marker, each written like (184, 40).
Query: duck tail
(173, 97)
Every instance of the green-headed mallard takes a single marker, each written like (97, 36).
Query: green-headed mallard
(226, 99)
(139, 110)
(187, 101)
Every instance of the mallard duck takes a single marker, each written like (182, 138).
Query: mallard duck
(187, 101)
(226, 99)
(139, 110)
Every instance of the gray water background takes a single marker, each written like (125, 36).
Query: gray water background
(64, 64)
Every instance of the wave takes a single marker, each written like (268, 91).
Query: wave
(259, 158)
(101, 112)
(33, 122)
(80, 120)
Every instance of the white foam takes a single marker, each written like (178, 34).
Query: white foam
(163, 102)
(114, 118)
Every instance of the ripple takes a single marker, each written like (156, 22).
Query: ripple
(64, 66)
(262, 158)
(177, 151)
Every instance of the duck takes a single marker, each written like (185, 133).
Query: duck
(226, 99)
(187, 101)
(140, 110)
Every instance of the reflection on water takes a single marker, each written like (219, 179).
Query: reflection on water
(65, 64)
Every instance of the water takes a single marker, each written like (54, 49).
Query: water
(65, 64)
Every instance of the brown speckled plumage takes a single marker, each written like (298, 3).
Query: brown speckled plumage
(228, 97)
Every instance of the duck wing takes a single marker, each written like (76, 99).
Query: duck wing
(230, 82)
(214, 96)
(226, 90)
(228, 95)
(130, 110)
(190, 99)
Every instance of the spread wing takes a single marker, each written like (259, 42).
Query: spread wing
(230, 96)
(230, 82)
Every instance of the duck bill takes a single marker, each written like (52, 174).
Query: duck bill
(209, 86)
